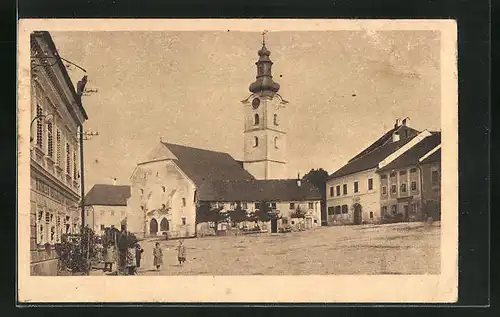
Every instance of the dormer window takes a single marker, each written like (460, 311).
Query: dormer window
(256, 119)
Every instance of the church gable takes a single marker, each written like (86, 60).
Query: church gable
(160, 152)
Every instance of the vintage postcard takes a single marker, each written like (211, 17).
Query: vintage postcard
(224, 160)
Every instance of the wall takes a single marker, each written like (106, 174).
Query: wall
(400, 200)
(368, 199)
(159, 183)
(97, 216)
(432, 192)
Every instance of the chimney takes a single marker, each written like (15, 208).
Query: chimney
(395, 137)
(396, 124)
(406, 122)
(299, 182)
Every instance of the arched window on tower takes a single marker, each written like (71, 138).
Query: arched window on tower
(256, 142)
(275, 119)
(276, 142)
(256, 119)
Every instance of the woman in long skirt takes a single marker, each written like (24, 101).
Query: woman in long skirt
(158, 256)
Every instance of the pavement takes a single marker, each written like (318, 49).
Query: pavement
(403, 248)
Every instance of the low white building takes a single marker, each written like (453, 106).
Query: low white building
(106, 207)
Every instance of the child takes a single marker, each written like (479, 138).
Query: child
(138, 254)
(181, 253)
(110, 257)
(131, 260)
(158, 256)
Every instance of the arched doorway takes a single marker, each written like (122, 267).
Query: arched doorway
(153, 227)
(357, 214)
(164, 226)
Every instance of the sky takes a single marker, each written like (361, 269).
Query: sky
(344, 88)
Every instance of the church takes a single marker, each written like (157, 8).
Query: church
(174, 180)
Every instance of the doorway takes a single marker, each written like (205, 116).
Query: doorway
(164, 225)
(406, 216)
(358, 218)
(274, 225)
(153, 227)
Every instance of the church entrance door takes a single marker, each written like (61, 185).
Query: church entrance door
(153, 227)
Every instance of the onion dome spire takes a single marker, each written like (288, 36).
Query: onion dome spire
(264, 82)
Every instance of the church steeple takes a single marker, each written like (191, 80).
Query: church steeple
(264, 82)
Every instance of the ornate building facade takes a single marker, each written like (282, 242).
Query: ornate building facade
(57, 115)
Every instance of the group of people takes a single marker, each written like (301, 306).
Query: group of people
(131, 258)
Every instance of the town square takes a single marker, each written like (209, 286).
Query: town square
(235, 153)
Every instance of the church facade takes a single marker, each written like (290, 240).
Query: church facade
(174, 180)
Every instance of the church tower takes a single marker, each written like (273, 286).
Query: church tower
(264, 132)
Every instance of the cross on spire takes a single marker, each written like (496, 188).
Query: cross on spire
(264, 38)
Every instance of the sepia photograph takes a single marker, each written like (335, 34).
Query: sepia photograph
(244, 155)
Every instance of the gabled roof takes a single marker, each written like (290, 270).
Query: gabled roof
(258, 190)
(203, 166)
(387, 137)
(107, 195)
(434, 157)
(370, 160)
(411, 157)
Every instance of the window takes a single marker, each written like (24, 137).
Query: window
(232, 206)
(183, 202)
(383, 176)
(402, 172)
(403, 188)
(183, 221)
(256, 119)
(273, 205)
(330, 211)
(75, 170)
(393, 174)
(344, 189)
(413, 170)
(293, 222)
(331, 191)
(163, 188)
(68, 159)
(39, 126)
(338, 190)
(435, 178)
(50, 140)
(393, 189)
(370, 183)
(384, 190)
(292, 205)
(102, 227)
(276, 143)
(394, 209)
(311, 205)
(112, 212)
(87, 213)
(58, 147)
(256, 206)
(384, 210)
(371, 214)
(244, 206)
(284, 220)
(255, 142)
(413, 185)
(275, 119)
(315, 221)
(142, 191)
(413, 207)
(356, 187)
(337, 210)
(344, 209)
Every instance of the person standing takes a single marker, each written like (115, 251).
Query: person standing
(158, 256)
(181, 253)
(131, 260)
(110, 257)
(138, 255)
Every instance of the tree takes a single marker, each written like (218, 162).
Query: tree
(205, 212)
(298, 213)
(318, 178)
(264, 213)
(238, 214)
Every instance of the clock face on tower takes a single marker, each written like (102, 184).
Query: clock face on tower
(255, 103)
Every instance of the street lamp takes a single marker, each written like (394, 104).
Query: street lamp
(47, 118)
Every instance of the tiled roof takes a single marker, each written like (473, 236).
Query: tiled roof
(434, 157)
(203, 166)
(258, 190)
(369, 160)
(412, 156)
(381, 141)
(108, 195)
